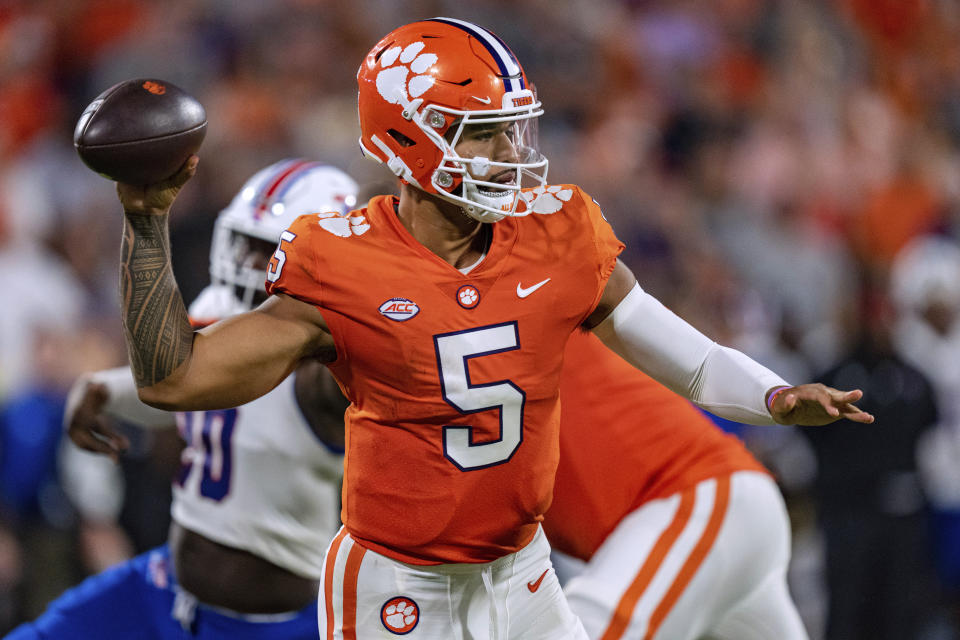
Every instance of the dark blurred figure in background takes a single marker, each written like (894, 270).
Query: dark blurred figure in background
(925, 285)
(870, 505)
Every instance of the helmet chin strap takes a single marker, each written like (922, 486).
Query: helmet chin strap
(503, 201)
(473, 194)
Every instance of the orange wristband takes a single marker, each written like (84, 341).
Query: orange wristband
(773, 397)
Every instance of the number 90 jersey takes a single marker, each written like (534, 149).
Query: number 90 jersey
(453, 379)
(256, 477)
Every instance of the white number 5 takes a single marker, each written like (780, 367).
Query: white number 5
(279, 257)
(454, 351)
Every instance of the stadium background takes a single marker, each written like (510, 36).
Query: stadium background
(764, 161)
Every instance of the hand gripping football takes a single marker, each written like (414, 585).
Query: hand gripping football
(140, 131)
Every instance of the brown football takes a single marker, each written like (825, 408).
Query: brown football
(140, 131)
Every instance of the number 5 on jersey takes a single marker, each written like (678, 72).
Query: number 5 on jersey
(279, 257)
(454, 352)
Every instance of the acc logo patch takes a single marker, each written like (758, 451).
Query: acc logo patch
(400, 615)
(399, 309)
(468, 296)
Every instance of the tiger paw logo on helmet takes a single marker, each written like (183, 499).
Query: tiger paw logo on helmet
(400, 615)
(423, 88)
(392, 81)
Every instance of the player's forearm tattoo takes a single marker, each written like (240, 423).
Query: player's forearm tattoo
(155, 319)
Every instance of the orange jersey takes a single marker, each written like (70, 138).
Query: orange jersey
(625, 439)
(453, 379)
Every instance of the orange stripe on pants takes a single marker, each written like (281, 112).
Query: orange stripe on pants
(350, 575)
(695, 559)
(331, 562)
(624, 610)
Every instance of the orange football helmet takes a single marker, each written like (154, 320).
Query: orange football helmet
(421, 85)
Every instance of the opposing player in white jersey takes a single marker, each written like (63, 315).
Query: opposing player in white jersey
(257, 498)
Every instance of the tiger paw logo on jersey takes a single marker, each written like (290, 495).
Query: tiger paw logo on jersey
(399, 309)
(392, 83)
(546, 200)
(343, 226)
(400, 615)
(468, 296)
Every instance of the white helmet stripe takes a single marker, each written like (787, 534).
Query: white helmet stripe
(296, 176)
(513, 78)
(272, 186)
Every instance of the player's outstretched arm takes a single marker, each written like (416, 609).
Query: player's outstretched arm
(97, 397)
(87, 425)
(225, 365)
(723, 381)
(815, 404)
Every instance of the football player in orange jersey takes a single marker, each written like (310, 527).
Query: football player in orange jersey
(445, 332)
(684, 534)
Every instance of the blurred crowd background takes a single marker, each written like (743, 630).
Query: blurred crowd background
(785, 174)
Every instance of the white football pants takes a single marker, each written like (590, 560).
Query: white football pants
(707, 563)
(366, 595)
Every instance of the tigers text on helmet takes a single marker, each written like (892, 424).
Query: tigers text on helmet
(266, 205)
(427, 83)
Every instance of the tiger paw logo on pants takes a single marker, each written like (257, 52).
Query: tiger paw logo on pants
(400, 615)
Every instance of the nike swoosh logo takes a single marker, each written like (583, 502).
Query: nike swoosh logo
(523, 293)
(533, 586)
(481, 100)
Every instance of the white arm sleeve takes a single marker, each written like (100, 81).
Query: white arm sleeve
(721, 380)
(122, 400)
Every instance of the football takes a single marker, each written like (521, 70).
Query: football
(140, 131)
